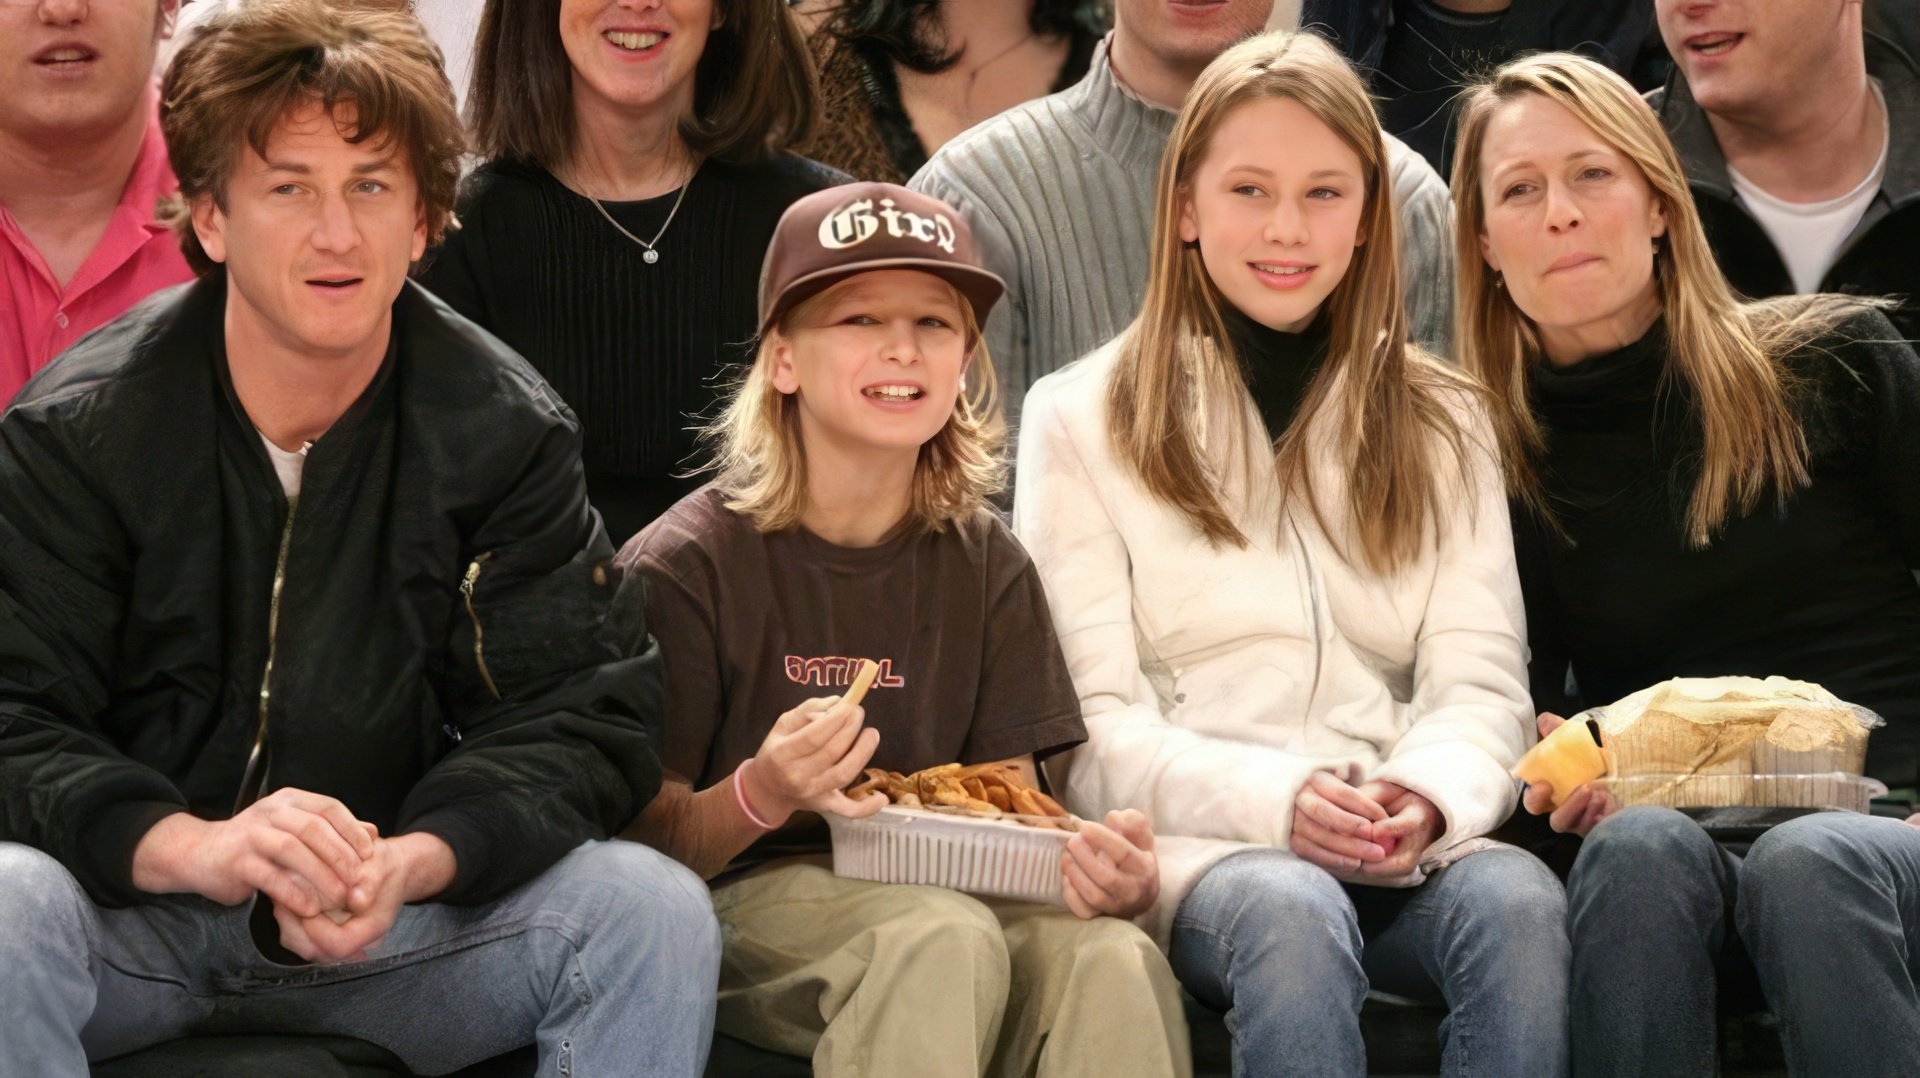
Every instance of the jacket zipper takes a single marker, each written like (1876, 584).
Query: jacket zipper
(255, 775)
(479, 652)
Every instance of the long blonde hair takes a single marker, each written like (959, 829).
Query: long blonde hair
(760, 460)
(1384, 396)
(1722, 349)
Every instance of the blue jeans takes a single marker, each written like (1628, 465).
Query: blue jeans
(1289, 954)
(608, 961)
(1826, 906)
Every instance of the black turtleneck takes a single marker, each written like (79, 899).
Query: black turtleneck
(1277, 366)
(1823, 592)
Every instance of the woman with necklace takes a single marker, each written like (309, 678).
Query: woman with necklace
(901, 77)
(635, 170)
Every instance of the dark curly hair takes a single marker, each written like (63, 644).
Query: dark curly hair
(907, 31)
(755, 91)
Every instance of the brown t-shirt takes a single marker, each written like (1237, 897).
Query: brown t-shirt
(751, 625)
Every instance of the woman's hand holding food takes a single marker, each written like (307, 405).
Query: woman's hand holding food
(1110, 868)
(1581, 810)
(807, 761)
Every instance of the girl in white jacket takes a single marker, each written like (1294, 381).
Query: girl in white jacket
(1275, 543)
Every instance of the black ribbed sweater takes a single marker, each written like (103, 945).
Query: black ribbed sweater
(1277, 366)
(1823, 592)
(639, 351)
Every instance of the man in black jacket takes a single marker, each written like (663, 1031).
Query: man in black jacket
(1800, 134)
(310, 716)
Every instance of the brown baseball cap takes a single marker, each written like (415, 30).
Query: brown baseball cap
(833, 234)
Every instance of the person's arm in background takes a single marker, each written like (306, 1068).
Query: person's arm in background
(1423, 212)
(1006, 333)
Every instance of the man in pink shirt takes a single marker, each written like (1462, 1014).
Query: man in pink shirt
(82, 168)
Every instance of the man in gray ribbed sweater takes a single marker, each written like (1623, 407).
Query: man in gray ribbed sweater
(1059, 192)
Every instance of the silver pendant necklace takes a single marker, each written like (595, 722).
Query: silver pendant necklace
(651, 256)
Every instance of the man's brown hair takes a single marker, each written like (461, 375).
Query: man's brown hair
(755, 90)
(243, 70)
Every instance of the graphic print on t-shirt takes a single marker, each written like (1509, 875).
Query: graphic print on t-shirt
(838, 670)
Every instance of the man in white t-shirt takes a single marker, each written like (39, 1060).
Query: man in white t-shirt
(1800, 134)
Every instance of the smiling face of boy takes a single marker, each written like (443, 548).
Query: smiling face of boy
(875, 362)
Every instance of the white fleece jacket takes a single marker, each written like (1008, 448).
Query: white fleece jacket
(1215, 680)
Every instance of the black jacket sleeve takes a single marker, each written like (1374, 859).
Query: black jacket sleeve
(64, 571)
(1895, 384)
(551, 701)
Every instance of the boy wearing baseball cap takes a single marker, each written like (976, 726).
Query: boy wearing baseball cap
(847, 521)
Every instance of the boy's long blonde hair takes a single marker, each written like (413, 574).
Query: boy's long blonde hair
(760, 461)
(1722, 350)
(1379, 397)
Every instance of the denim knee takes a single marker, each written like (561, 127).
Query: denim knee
(43, 909)
(1265, 892)
(1800, 858)
(1802, 865)
(1509, 893)
(1277, 921)
(1645, 849)
(624, 896)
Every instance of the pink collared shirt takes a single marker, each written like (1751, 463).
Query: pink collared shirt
(135, 257)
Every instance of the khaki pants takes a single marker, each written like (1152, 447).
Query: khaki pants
(884, 980)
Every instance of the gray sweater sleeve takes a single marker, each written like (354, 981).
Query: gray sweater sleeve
(1006, 333)
(1424, 216)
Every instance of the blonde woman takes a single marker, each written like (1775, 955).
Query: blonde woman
(848, 520)
(1276, 547)
(1703, 486)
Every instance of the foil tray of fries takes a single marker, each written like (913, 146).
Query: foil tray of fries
(978, 829)
(945, 848)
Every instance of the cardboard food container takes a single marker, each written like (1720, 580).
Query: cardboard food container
(950, 849)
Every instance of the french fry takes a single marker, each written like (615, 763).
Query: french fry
(989, 790)
(1048, 806)
(877, 779)
(862, 681)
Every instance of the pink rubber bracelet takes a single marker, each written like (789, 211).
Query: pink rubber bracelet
(740, 795)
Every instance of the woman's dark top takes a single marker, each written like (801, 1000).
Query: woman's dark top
(864, 127)
(1824, 592)
(1277, 366)
(639, 351)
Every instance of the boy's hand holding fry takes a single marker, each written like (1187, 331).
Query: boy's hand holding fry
(808, 759)
(812, 754)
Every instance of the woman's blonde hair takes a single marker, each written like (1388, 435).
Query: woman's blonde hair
(760, 461)
(1384, 397)
(1722, 350)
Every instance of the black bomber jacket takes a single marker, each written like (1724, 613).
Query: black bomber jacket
(440, 655)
